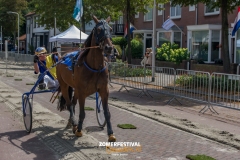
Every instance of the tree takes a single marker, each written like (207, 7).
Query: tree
(130, 8)
(63, 10)
(227, 6)
(9, 22)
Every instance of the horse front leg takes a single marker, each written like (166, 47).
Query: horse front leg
(104, 97)
(81, 101)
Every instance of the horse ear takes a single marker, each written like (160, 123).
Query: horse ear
(95, 19)
(108, 19)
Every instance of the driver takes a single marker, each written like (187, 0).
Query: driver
(42, 62)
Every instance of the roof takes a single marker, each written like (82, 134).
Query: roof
(29, 14)
(71, 35)
(22, 38)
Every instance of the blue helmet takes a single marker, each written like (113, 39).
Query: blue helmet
(40, 50)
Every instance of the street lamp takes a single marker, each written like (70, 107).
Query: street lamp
(10, 12)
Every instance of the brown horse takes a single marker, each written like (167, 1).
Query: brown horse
(89, 75)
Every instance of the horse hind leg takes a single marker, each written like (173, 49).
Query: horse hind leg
(74, 102)
(81, 101)
(70, 106)
(111, 137)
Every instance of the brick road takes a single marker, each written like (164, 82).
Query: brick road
(158, 140)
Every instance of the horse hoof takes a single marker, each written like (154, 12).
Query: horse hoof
(78, 134)
(111, 138)
(69, 125)
(74, 129)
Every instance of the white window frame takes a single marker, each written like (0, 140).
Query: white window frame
(38, 41)
(160, 12)
(137, 15)
(150, 11)
(215, 12)
(192, 8)
(175, 8)
(35, 22)
(120, 20)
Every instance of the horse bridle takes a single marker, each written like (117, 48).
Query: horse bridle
(104, 32)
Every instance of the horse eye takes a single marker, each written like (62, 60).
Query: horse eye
(98, 30)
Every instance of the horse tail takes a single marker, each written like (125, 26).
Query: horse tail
(62, 102)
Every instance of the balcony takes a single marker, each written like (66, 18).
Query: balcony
(118, 29)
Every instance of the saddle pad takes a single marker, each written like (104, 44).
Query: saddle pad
(69, 58)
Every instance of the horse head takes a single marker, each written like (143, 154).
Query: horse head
(102, 34)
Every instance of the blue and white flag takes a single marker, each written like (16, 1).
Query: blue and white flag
(78, 10)
(168, 24)
(236, 23)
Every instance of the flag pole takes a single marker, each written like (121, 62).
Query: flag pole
(154, 41)
(179, 28)
(169, 23)
(80, 32)
(80, 23)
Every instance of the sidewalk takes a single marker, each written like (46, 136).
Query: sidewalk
(16, 144)
(158, 140)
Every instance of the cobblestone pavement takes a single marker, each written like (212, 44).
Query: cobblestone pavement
(158, 141)
(16, 144)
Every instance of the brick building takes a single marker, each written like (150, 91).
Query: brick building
(200, 24)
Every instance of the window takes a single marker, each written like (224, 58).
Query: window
(164, 37)
(211, 11)
(192, 8)
(200, 45)
(215, 45)
(34, 42)
(35, 22)
(38, 41)
(160, 11)
(175, 11)
(137, 15)
(177, 38)
(148, 16)
(238, 47)
(120, 20)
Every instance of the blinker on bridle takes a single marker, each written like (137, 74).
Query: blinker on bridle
(104, 32)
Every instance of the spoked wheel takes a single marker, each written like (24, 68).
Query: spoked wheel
(27, 114)
(99, 111)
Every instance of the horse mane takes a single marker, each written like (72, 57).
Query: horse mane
(87, 43)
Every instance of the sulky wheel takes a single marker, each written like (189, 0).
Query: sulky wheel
(27, 113)
(99, 111)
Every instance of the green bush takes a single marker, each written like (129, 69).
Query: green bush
(121, 41)
(193, 80)
(218, 83)
(120, 69)
(171, 52)
(119, 49)
(136, 49)
(134, 72)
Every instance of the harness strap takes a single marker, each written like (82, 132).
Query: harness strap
(93, 70)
